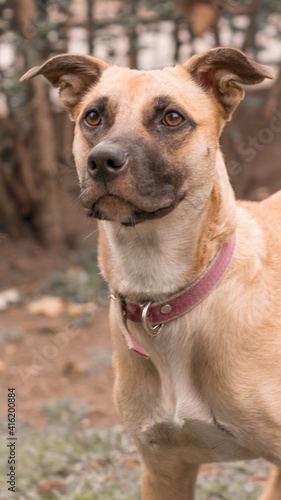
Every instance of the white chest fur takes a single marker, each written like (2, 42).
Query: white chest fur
(152, 259)
(181, 418)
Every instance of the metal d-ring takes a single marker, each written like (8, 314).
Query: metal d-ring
(151, 330)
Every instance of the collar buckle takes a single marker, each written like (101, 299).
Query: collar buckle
(153, 331)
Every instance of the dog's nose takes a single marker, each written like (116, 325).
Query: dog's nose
(107, 161)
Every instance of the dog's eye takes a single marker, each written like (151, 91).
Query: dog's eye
(173, 119)
(93, 118)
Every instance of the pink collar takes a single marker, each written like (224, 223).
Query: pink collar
(154, 315)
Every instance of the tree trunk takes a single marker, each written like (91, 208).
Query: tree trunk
(132, 33)
(30, 191)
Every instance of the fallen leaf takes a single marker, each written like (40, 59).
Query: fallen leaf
(49, 486)
(131, 463)
(71, 369)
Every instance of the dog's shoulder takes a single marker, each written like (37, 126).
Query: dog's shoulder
(274, 201)
(266, 210)
(259, 229)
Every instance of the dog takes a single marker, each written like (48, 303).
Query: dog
(194, 274)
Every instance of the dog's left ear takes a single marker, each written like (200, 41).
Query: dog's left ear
(73, 74)
(217, 70)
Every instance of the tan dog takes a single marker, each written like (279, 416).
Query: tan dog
(147, 153)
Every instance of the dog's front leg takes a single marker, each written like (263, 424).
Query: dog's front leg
(273, 488)
(176, 484)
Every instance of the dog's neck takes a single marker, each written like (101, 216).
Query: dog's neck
(158, 258)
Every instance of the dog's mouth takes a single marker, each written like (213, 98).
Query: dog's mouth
(114, 208)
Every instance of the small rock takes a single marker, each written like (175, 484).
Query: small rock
(48, 306)
(7, 297)
(10, 335)
(76, 310)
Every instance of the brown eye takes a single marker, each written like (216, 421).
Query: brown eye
(93, 118)
(173, 119)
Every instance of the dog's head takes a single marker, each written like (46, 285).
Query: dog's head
(146, 140)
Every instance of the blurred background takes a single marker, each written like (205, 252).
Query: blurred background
(54, 342)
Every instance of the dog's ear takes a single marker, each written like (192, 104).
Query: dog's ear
(217, 70)
(73, 74)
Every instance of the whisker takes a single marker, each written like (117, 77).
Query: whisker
(117, 233)
(85, 191)
(90, 234)
(138, 235)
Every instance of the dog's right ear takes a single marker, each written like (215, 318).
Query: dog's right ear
(73, 74)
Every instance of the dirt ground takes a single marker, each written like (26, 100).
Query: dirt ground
(48, 359)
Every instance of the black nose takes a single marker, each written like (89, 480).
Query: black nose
(107, 161)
